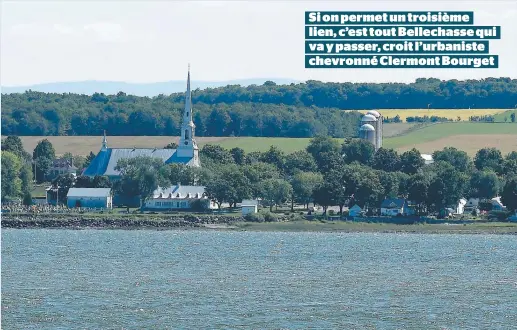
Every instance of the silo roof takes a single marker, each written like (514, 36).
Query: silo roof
(374, 113)
(367, 127)
(368, 118)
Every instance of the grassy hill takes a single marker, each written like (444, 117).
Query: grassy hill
(466, 136)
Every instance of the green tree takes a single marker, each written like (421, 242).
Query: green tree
(26, 178)
(509, 167)
(418, 190)
(44, 149)
(322, 145)
(60, 186)
(172, 145)
(324, 196)
(484, 184)
(447, 186)
(358, 150)
(275, 192)
(258, 172)
(181, 173)
(488, 159)
(43, 155)
(42, 166)
(387, 160)
(141, 176)
(299, 160)
(239, 156)
(512, 117)
(11, 182)
(457, 158)
(14, 144)
(304, 184)
(101, 181)
(229, 185)
(274, 156)
(509, 194)
(390, 181)
(88, 160)
(217, 154)
(411, 161)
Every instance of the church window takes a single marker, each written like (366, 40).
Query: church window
(186, 134)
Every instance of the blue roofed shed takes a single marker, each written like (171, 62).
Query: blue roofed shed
(89, 197)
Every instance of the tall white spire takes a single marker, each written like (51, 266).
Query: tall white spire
(187, 113)
(187, 146)
(104, 142)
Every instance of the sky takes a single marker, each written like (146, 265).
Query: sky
(140, 42)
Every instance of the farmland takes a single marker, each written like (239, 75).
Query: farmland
(453, 114)
(466, 136)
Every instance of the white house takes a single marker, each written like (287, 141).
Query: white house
(459, 208)
(249, 206)
(179, 197)
(396, 206)
(355, 211)
(90, 197)
(473, 203)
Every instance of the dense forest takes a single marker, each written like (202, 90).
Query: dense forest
(295, 110)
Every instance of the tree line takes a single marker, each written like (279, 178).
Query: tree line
(326, 173)
(296, 110)
(40, 114)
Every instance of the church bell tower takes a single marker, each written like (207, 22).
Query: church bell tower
(187, 146)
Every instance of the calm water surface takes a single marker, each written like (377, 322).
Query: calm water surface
(101, 279)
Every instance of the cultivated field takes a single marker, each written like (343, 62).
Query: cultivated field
(469, 137)
(453, 114)
(466, 136)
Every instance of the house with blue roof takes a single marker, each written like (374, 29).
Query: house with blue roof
(187, 152)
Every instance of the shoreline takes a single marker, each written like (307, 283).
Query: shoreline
(236, 223)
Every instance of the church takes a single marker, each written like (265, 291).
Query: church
(186, 153)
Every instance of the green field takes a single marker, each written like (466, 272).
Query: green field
(466, 136)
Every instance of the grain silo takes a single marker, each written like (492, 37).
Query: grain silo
(378, 127)
(367, 132)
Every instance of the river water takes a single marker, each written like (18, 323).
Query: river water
(144, 279)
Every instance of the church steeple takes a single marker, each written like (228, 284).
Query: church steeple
(187, 146)
(104, 142)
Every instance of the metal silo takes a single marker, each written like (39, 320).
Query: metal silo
(378, 127)
(367, 132)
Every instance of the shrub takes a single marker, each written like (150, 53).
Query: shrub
(331, 212)
(270, 217)
(254, 217)
(498, 215)
(27, 199)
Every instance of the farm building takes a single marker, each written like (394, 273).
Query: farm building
(179, 197)
(90, 197)
(396, 206)
(249, 206)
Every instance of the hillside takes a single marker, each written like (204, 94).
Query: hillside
(269, 110)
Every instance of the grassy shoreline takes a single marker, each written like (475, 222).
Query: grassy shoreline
(367, 227)
(231, 223)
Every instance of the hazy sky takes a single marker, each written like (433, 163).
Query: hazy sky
(136, 41)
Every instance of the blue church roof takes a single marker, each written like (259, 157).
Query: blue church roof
(106, 160)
